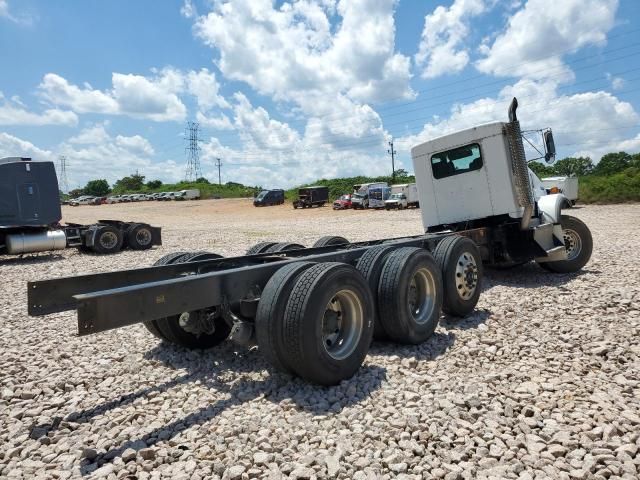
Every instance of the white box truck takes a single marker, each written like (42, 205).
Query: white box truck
(568, 186)
(193, 194)
(402, 196)
(369, 195)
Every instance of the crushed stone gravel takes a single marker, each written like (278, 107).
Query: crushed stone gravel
(541, 381)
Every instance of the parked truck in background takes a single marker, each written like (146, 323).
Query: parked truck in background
(568, 186)
(192, 194)
(403, 196)
(362, 195)
(269, 197)
(313, 311)
(30, 216)
(316, 196)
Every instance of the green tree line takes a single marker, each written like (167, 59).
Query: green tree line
(615, 178)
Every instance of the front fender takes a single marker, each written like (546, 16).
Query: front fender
(550, 207)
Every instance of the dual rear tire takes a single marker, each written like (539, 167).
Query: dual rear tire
(317, 320)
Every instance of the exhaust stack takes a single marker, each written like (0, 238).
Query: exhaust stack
(519, 167)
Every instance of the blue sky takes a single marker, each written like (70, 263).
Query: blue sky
(288, 92)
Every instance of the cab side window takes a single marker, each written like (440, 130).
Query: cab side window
(456, 161)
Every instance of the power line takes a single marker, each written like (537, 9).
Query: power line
(192, 151)
(386, 125)
(560, 69)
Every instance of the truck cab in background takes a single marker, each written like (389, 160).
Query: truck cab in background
(478, 179)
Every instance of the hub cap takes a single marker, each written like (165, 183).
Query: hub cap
(143, 236)
(572, 243)
(421, 297)
(466, 276)
(342, 324)
(108, 240)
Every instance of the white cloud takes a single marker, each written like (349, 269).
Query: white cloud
(593, 121)
(188, 9)
(133, 95)
(154, 98)
(11, 146)
(537, 35)
(204, 86)
(221, 122)
(4, 9)
(21, 19)
(289, 51)
(14, 112)
(441, 49)
(95, 153)
(259, 130)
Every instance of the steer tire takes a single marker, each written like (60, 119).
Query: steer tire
(330, 240)
(579, 244)
(269, 322)
(370, 266)
(328, 323)
(461, 265)
(139, 236)
(283, 247)
(107, 239)
(260, 248)
(410, 275)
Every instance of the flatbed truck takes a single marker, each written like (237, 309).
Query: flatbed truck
(313, 311)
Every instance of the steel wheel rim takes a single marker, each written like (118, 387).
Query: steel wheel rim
(421, 298)
(108, 240)
(572, 242)
(466, 275)
(143, 236)
(342, 324)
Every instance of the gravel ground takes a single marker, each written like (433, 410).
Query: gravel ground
(542, 381)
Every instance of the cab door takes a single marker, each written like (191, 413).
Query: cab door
(460, 184)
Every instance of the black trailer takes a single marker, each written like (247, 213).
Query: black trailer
(269, 197)
(30, 216)
(316, 196)
(311, 311)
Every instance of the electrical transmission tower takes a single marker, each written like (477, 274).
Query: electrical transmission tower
(63, 183)
(192, 150)
(392, 152)
(219, 164)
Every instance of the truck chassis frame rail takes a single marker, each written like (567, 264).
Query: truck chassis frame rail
(116, 299)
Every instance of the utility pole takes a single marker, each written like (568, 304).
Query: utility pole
(63, 183)
(392, 152)
(219, 164)
(192, 151)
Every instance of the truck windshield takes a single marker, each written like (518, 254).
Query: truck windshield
(261, 195)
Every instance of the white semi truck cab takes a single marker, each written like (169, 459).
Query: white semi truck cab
(478, 178)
